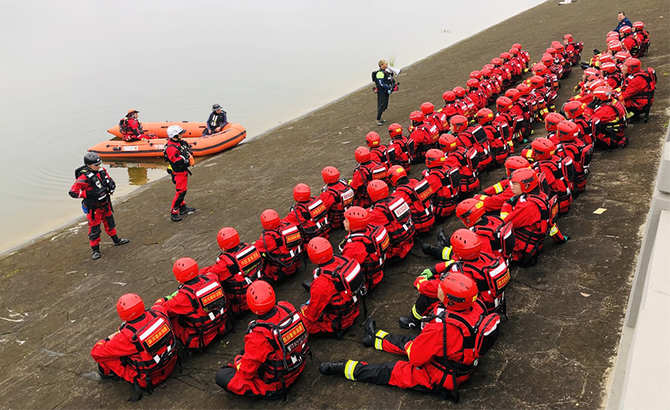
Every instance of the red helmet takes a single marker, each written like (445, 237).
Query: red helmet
(539, 69)
(632, 65)
(427, 108)
(603, 93)
(551, 121)
(517, 46)
(543, 148)
(377, 190)
(395, 173)
(591, 71)
(596, 83)
(373, 139)
(638, 25)
(605, 58)
(459, 91)
(496, 62)
(514, 51)
(559, 47)
(459, 123)
(505, 55)
(457, 292)
(550, 50)
(449, 96)
(526, 177)
(270, 219)
(626, 30)
(504, 104)
(185, 269)
(567, 131)
(573, 109)
(554, 44)
(612, 37)
(515, 162)
(466, 244)
(362, 154)
(484, 116)
(568, 38)
(513, 94)
(469, 211)
(130, 306)
(475, 74)
(486, 72)
(357, 217)
(416, 116)
(319, 250)
(608, 67)
(448, 142)
(228, 238)
(472, 83)
(612, 32)
(434, 158)
(302, 193)
(395, 130)
(524, 89)
(330, 174)
(547, 60)
(622, 55)
(536, 81)
(260, 297)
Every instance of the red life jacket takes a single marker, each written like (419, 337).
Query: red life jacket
(491, 274)
(445, 198)
(611, 131)
(313, 217)
(156, 345)
(208, 303)
(424, 139)
(500, 235)
(561, 185)
(645, 97)
(497, 142)
(288, 336)
(344, 198)
(376, 241)
(467, 169)
(288, 244)
(451, 109)
(349, 282)
(439, 119)
(529, 239)
(419, 194)
(400, 226)
(244, 263)
(403, 149)
(581, 154)
(476, 138)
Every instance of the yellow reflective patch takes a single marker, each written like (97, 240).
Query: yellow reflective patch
(409, 348)
(379, 337)
(349, 369)
(446, 253)
(503, 215)
(415, 313)
(554, 230)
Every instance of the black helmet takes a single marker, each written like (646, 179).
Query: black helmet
(216, 107)
(91, 158)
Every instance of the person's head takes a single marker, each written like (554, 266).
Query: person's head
(227, 238)
(319, 250)
(625, 31)
(330, 174)
(395, 130)
(567, 131)
(427, 108)
(631, 66)
(129, 307)
(484, 116)
(573, 109)
(458, 123)
(568, 39)
(466, 244)
(396, 173)
(175, 132)
(383, 64)
(638, 26)
(621, 16)
(551, 121)
(515, 162)
(416, 117)
(524, 180)
(93, 161)
(373, 140)
(470, 211)
(270, 219)
(377, 190)
(603, 93)
(216, 108)
(504, 104)
(356, 219)
(449, 97)
(543, 148)
(435, 158)
(457, 292)
(459, 91)
(260, 297)
(132, 113)
(302, 193)
(448, 143)
(362, 155)
(185, 269)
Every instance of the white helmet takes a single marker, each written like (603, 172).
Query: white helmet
(174, 131)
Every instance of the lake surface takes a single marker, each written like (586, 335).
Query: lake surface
(72, 68)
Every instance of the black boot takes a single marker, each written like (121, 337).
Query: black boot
(307, 285)
(333, 368)
(96, 252)
(431, 250)
(409, 322)
(175, 218)
(183, 210)
(119, 241)
(370, 332)
(442, 240)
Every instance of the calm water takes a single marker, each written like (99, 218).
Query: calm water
(71, 69)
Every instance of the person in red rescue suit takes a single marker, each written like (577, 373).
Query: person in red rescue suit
(275, 348)
(178, 156)
(379, 152)
(550, 123)
(445, 181)
(451, 106)
(574, 111)
(424, 135)
(557, 171)
(403, 147)
(131, 128)
(637, 91)
(365, 243)
(393, 213)
(609, 119)
(336, 292)
(94, 185)
(498, 135)
(642, 36)
(143, 351)
(469, 108)
(630, 42)
(475, 93)
(445, 353)
(309, 214)
(417, 194)
(473, 137)
(198, 310)
(463, 159)
(497, 237)
(366, 171)
(495, 196)
(612, 75)
(533, 216)
(573, 49)
(580, 153)
(337, 195)
(436, 118)
(505, 122)
(280, 245)
(237, 266)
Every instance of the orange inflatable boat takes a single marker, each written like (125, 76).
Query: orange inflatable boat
(231, 135)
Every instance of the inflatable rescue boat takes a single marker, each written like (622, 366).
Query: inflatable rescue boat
(231, 135)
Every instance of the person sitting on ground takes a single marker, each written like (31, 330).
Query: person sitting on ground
(216, 122)
(131, 128)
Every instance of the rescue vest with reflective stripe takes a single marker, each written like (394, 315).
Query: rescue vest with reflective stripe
(400, 226)
(155, 342)
(349, 282)
(208, 302)
(287, 240)
(315, 218)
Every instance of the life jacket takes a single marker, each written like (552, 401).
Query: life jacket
(499, 234)
(404, 151)
(184, 151)
(400, 226)
(468, 161)
(101, 185)
(498, 142)
(645, 97)
(344, 198)
(476, 137)
(582, 154)
(633, 45)
(208, 303)
(423, 139)
(288, 244)
(124, 127)
(452, 108)
(244, 264)
(381, 155)
(388, 79)
(376, 241)
(446, 197)
(615, 79)
(349, 282)
(420, 203)
(440, 119)
(491, 276)
(314, 216)
(561, 185)
(288, 336)
(506, 124)
(616, 128)
(156, 345)
(532, 237)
